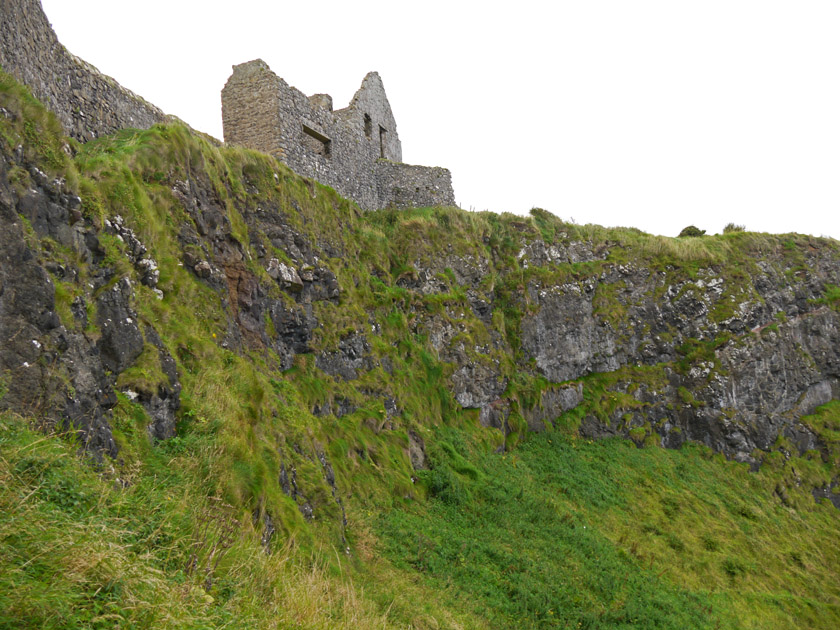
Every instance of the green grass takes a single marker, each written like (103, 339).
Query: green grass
(82, 548)
(567, 533)
(831, 297)
(36, 130)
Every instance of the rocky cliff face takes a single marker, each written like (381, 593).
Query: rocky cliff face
(754, 352)
(389, 321)
(731, 353)
(64, 370)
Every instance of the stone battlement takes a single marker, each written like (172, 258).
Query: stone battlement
(356, 150)
(88, 103)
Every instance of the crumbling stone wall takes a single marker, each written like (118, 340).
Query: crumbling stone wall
(356, 150)
(88, 103)
(410, 186)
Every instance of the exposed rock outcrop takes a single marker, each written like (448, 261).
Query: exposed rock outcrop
(64, 371)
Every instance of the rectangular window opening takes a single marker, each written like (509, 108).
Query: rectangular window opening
(316, 142)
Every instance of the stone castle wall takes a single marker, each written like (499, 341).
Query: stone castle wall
(356, 150)
(410, 186)
(88, 103)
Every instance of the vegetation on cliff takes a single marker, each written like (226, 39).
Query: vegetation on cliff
(356, 398)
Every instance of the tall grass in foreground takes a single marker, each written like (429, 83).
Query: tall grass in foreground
(79, 550)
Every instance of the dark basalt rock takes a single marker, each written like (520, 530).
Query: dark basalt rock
(54, 371)
(828, 492)
(338, 407)
(495, 415)
(162, 404)
(565, 338)
(121, 342)
(553, 403)
(476, 385)
(416, 451)
(353, 354)
(293, 325)
(49, 372)
(770, 352)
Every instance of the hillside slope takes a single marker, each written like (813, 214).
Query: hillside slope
(232, 399)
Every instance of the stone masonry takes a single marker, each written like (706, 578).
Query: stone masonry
(88, 103)
(356, 150)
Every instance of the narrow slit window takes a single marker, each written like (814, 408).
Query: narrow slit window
(383, 133)
(368, 126)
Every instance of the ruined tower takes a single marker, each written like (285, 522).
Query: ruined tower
(356, 150)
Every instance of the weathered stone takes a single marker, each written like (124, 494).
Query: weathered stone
(565, 338)
(293, 325)
(355, 150)
(553, 403)
(416, 451)
(262, 519)
(88, 103)
(476, 385)
(736, 395)
(828, 492)
(495, 415)
(163, 403)
(409, 186)
(319, 284)
(121, 342)
(338, 407)
(353, 354)
(49, 372)
(287, 277)
(203, 269)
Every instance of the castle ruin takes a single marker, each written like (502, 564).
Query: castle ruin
(356, 150)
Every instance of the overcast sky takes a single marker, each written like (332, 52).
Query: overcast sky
(654, 114)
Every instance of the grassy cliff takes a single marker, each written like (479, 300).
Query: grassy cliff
(364, 429)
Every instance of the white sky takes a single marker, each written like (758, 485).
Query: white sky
(654, 114)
